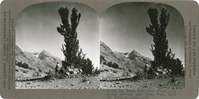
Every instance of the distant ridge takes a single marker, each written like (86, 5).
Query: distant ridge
(132, 61)
(43, 60)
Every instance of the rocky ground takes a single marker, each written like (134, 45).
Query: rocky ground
(108, 73)
(94, 83)
(101, 81)
(145, 84)
(67, 83)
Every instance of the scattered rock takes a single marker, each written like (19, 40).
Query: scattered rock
(118, 82)
(89, 82)
(85, 88)
(28, 82)
(98, 87)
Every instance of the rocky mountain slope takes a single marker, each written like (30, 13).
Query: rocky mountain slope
(132, 61)
(39, 63)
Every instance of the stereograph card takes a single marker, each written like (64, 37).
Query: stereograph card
(98, 49)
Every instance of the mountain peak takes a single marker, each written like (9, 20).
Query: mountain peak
(44, 54)
(104, 46)
(135, 52)
(43, 51)
(17, 49)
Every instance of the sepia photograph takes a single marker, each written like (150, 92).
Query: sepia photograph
(99, 49)
(142, 47)
(57, 47)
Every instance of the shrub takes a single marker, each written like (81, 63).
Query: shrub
(61, 76)
(114, 65)
(172, 79)
(183, 73)
(130, 70)
(175, 67)
(49, 75)
(40, 70)
(150, 76)
(84, 79)
(102, 58)
(96, 71)
(139, 75)
(87, 66)
(24, 71)
(115, 71)
(23, 65)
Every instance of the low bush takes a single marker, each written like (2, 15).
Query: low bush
(114, 65)
(106, 70)
(96, 71)
(25, 71)
(102, 58)
(61, 76)
(84, 79)
(23, 65)
(87, 67)
(172, 79)
(40, 70)
(49, 76)
(115, 71)
(150, 76)
(139, 73)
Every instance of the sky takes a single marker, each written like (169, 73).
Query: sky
(36, 29)
(123, 28)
